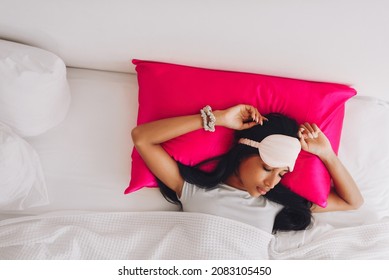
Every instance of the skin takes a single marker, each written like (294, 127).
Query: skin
(253, 175)
(256, 177)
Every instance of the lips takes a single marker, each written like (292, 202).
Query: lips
(262, 190)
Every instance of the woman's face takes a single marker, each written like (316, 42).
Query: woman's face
(257, 178)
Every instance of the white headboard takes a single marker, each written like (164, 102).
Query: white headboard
(338, 41)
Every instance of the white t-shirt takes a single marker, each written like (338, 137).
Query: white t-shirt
(232, 203)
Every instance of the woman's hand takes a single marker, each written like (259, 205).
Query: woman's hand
(314, 141)
(239, 117)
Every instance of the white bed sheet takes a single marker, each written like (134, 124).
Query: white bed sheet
(86, 159)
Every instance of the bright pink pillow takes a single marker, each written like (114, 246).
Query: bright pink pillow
(167, 90)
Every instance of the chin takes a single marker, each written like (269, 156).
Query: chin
(256, 195)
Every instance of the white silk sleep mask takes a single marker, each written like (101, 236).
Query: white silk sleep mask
(276, 150)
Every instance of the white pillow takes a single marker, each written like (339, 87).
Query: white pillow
(364, 150)
(34, 93)
(22, 184)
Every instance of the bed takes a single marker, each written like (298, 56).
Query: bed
(80, 211)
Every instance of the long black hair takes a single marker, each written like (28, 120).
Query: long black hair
(296, 213)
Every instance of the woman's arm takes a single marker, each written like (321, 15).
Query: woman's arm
(345, 195)
(148, 138)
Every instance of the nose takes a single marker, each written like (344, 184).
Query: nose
(271, 181)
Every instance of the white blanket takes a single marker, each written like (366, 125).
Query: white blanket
(365, 242)
(142, 235)
(173, 235)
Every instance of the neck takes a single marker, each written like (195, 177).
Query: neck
(235, 182)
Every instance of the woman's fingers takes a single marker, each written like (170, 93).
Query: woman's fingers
(303, 132)
(302, 138)
(310, 130)
(255, 115)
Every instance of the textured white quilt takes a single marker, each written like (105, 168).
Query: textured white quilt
(142, 235)
(173, 235)
(365, 242)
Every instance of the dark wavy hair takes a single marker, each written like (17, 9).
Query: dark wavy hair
(296, 213)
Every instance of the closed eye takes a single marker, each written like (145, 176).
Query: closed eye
(281, 175)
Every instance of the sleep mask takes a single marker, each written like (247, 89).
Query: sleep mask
(276, 150)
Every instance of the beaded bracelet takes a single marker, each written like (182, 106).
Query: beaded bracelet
(209, 119)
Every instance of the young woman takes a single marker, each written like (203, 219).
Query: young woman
(245, 184)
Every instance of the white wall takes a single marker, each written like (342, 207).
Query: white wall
(341, 41)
